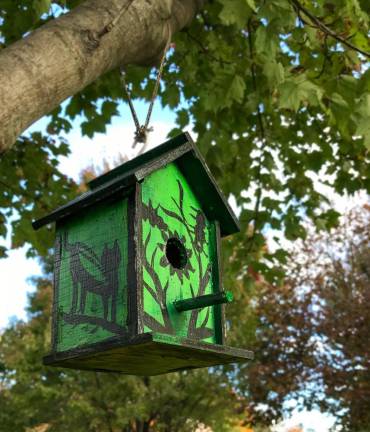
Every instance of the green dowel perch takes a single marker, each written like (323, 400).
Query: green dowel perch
(203, 301)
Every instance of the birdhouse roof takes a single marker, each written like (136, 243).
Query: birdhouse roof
(181, 150)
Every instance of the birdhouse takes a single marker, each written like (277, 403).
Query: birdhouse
(137, 272)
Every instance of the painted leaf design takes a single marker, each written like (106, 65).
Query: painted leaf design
(171, 214)
(181, 194)
(205, 321)
(202, 333)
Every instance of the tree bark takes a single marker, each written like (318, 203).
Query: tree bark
(65, 55)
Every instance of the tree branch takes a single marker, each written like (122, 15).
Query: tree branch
(262, 133)
(103, 404)
(66, 54)
(206, 50)
(317, 23)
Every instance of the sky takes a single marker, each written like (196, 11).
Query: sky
(309, 421)
(16, 270)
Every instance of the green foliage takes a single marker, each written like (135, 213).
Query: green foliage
(272, 95)
(311, 337)
(275, 99)
(31, 186)
(33, 396)
(236, 11)
(41, 6)
(363, 111)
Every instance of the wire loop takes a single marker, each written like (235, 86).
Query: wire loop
(141, 133)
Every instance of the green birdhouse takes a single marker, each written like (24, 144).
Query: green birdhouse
(137, 277)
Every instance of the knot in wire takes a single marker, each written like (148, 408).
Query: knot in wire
(141, 135)
(142, 131)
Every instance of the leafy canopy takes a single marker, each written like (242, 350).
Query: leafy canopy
(36, 398)
(277, 92)
(311, 338)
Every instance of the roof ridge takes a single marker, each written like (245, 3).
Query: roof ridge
(181, 150)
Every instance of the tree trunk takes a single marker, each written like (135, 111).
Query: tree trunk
(65, 55)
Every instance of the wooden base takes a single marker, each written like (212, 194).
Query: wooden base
(148, 354)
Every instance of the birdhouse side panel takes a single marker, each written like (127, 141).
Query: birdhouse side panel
(90, 276)
(177, 257)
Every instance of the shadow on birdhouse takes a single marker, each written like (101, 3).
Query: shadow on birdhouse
(137, 278)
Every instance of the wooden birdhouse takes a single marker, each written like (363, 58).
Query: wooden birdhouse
(137, 278)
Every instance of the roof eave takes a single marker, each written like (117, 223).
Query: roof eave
(180, 149)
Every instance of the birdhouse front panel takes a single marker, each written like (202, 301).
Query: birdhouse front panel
(179, 258)
(90, 280)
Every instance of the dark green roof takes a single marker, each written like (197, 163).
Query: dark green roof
(180, 149)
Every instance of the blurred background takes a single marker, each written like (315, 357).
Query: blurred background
(280, 110)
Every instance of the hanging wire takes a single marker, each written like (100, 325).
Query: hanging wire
(142, 131)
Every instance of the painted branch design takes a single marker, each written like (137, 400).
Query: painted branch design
(196, 233)
(159, 294)
(83, 283)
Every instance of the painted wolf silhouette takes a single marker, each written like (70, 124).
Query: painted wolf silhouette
(108, 265)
